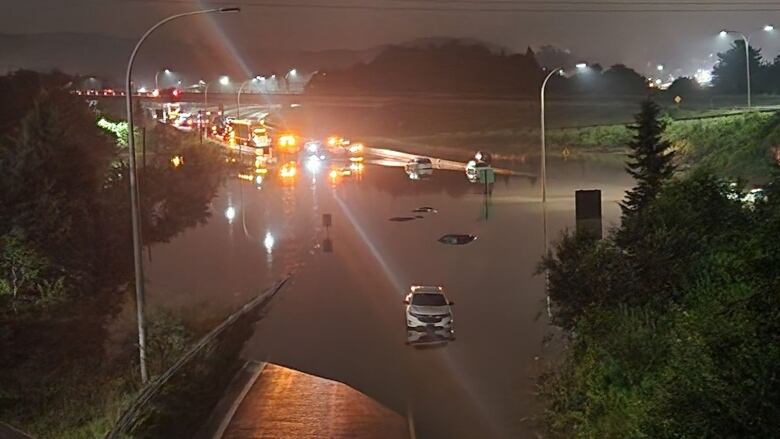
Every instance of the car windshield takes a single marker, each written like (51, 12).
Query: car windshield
(428, 299)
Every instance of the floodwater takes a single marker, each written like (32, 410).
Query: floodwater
(341, 317)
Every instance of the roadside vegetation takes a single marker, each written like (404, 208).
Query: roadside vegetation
(673, 320)
(65, 255)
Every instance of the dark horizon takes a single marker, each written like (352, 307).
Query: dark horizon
(680, 38)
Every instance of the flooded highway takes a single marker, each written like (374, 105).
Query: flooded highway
(342, 316)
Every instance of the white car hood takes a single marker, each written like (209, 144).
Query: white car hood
(429, 310)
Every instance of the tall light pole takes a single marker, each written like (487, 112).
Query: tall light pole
(156, 84)
(293, 73)
(543, 176)
(238, 95)
(224, 80)
(746, 39)
(544, 145)
(134, 202)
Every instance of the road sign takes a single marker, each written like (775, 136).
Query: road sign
(487, 175)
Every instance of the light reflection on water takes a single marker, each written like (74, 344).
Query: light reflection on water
(341, 317)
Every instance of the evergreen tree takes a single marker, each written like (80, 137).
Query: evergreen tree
(650, 159)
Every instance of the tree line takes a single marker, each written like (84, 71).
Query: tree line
(65, 249)
(455, 66)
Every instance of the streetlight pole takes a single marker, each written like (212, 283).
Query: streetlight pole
(134, 194)
(206, 97)
(544, 184)
(746, 39)
(238, 95)
(156, 74)
(544, 145)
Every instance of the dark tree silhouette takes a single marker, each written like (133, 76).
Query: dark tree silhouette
(729, 74)
(684, 87)
(620, 79)
(650, 159)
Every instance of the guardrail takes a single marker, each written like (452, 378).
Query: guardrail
(128, 419)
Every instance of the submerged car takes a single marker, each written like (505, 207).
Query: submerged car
(419, 166)
(474, 168)
(457, 239)
(428, 307)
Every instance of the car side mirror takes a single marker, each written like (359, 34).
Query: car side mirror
(451, 302)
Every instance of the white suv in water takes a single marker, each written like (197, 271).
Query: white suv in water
(428, 307)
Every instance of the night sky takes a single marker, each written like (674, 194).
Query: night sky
(639, 39)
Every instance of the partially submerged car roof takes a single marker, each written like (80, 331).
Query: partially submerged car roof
(426, 289)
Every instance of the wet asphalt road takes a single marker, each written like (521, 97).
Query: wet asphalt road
(342, 315)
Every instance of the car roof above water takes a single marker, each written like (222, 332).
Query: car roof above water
(426, 289)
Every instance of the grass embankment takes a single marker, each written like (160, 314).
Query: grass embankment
(737, 145)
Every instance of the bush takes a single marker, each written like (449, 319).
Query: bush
(675, 328)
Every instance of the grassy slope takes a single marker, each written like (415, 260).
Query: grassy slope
(737, 145)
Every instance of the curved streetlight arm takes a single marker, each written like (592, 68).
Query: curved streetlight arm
(134, 195)
(543, 178)
(544, 146)
(238, 97)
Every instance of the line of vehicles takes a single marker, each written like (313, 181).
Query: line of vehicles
(477, 169)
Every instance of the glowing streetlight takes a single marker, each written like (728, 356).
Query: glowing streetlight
(659, 67)
(132, 172)
(156, 84)
(224, 80)
(746, 38)
(238, 96)
(581, 66)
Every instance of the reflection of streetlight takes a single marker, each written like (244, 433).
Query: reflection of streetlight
(230, 214)
(134, 205)
(746, 39)
(268, 242)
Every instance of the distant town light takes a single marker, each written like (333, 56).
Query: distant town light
(660, 67)
(142, 90)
